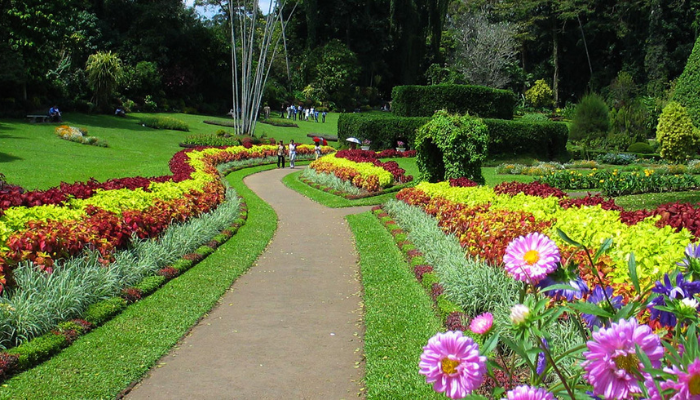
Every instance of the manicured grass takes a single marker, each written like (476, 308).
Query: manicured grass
(493, 179)
(32, 156)
(399, 317)
(104, 362)
(652, 200)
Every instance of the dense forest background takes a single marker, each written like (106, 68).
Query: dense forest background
(342, 54)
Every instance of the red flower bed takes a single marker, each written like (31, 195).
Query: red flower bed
(367, 156)
(530, 189)
(462, 182)
(605, 204)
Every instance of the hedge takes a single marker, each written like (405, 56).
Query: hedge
(546, 140)
(423, 101)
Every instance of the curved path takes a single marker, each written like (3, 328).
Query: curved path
(288, 329)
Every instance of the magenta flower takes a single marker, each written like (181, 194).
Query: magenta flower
(529, 393)
(611, 362)
(482, 324)
(531, 258)
(688, 385)
(452, 363)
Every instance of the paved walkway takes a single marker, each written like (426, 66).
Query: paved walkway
(288, 329)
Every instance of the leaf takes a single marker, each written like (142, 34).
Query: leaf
(632, 266)
(559, 286)
(602, 249)
(588, 308)
(489, 344)
(518, 350)
(567, 239)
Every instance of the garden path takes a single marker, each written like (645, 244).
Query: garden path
(290, 328)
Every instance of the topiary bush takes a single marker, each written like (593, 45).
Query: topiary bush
(451, 146)
(423, 101)
(688, 85)
(640, 148)
(591, 120)
(677, 136)
(540, 95)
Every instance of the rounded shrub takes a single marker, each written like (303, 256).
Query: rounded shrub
(591, 120)
(451, 146)
(540, 95)
(640, 147)
(677, 137)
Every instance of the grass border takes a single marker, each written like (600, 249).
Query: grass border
(399, 317)
(102, 363)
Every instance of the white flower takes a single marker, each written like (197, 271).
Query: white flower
(689, 303)
(519, 313)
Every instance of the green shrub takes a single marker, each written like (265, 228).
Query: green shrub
(640, 147)
(688, 85)
(100, 312)
(38, 349)
(445, 307)
(182, 265)
(400, 237)
(150, 284)
(417, 261)
(164, 123)
(591, 120)
(632, 121)
(428, 280)
(677, 136)
(423, 101)
(540, 95)
(451, 146)
(204, 250)
(534, 117)
(210, 140)
(545, 140)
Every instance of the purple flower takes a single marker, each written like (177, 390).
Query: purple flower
(529, 393)
(531, 258)
(452, 363)
(542, 359)
(579, 288)
(682, 290)
(598, 297)
(612, 364)
(687, 386)
(692, 253)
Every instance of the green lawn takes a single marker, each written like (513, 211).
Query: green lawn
(32, 156)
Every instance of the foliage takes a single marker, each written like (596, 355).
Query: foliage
(451, 146)
(543, 139)
(688, 85)
(591, 119)
(211, 140)
(330, 180)
(423, 101)
(336, 72)
(616, 158)
(640, 147)
(482, 49)
(104, 73)
(540, 95)
(540, 168)
(159, 122)
(676, 134)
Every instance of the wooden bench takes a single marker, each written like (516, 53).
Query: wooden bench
(34, 118)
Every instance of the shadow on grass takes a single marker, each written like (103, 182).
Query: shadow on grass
(5, 128)
(4, 158)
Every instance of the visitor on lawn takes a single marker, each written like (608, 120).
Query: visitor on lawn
(317, 149)
(323, 116)
(55, 114)
(292, 153)
(280, 154)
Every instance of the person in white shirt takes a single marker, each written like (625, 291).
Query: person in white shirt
(292, 153)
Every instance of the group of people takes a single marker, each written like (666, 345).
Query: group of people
(291, 150)
(304, 113)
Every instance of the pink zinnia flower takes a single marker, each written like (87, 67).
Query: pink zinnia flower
(452, 363)
(529, 393)
(482, 324)
(531, 258)
(688, 385)
(611, 362)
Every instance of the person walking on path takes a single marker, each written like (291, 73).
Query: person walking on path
(317, 150)
(292, 153)
(280, 154)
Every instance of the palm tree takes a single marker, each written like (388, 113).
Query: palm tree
(104, 74)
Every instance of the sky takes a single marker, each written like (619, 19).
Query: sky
(263, 4)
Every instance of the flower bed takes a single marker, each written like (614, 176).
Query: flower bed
(619, 183)
(43, 226)
(485, 222)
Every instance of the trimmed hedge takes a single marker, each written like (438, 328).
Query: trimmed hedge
(546, 140)
(423, 101)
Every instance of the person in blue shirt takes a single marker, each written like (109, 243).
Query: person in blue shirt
(55, 114)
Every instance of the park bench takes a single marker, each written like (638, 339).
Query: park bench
(34, 118)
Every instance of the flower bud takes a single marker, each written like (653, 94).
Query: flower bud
(519, 314)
